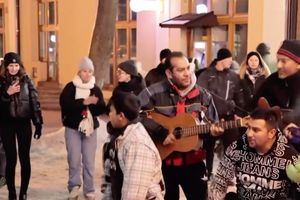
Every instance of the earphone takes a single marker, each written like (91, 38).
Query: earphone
(192, 65)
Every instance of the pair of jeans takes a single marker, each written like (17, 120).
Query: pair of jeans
(81, 152)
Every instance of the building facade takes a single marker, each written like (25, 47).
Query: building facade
(52, 35)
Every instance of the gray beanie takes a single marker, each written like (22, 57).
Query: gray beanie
(86, 63)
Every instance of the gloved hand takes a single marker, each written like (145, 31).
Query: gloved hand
(293, 172)
(38, 131)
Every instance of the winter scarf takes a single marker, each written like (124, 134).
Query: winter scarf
(83, 90)
(184, 92)
(253, 74)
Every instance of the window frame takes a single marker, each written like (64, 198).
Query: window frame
(45, 28)
(128, 25)
(230, 19)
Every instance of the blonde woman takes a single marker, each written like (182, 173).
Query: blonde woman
(253, 72)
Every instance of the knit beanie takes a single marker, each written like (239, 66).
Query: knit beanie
(291, 49)
(86, 63)
(164, 54)
(223, 54)
(129, 67)
(11, 57)
(254, 53)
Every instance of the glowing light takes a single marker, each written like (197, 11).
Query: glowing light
(199, 45)
(52, 38)
(142, 5)
(201, 8)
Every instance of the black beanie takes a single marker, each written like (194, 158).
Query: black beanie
(11, 57)
(254, 53)
(223, 54)
(291, 49)
(129, 67)
(164, 54)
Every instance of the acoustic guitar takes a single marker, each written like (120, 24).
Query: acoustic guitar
(186, 131)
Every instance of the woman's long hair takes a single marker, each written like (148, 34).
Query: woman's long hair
(11, 78)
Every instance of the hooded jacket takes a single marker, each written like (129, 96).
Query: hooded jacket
(249, 87)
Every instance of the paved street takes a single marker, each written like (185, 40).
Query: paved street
(49, 163)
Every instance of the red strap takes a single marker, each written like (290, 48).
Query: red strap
(180, 106)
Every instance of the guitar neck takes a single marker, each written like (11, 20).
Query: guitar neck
(205, 128)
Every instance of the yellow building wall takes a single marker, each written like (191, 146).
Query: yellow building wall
(266, 23)
(29, 40)
(76, 20)
(10, 25)
(76, 23)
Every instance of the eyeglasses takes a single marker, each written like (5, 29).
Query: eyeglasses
(120, 72)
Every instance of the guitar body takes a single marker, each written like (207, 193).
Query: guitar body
(184, 144)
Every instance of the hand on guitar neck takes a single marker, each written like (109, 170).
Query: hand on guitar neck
(216, 130)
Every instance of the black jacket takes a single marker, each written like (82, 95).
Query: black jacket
(163, 98)
(135, 85)
(225, 88)
(284, 93)
(156, 75)
(249, 89)
(71, 108)
(22, 105)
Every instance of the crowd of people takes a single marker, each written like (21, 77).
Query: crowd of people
(164, 130)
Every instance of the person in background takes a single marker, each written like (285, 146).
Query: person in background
(129, 80)
(258, 160)
(158, 74)
(132, 164)
(2, 152)
(81, 101)
(225, 87)
(282, 87)
(264, 50)
(176, 95)
(19, 106)
(253, 72)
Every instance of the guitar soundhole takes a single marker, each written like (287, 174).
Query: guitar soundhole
(177, 132)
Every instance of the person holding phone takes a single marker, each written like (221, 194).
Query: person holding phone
(19, 106)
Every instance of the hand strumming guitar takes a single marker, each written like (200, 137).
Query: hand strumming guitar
(170, 139)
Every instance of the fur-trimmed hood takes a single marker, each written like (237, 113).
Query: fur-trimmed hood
(265, 69)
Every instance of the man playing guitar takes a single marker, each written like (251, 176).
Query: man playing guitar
(177, 95)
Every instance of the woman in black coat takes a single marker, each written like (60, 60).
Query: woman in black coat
(19, 106)
(129, 80)
(253, 72)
